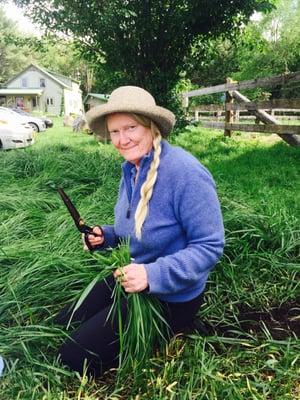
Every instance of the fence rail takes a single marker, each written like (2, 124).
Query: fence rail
(278, 104)
(236, 103)
(243, 112)
(243, 117)
(270, 128)
(270, 81)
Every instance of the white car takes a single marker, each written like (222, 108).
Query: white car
(36, 123)
(14, 135)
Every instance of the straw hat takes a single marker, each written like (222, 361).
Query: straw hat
(131, 99)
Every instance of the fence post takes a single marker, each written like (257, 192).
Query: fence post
(185, 101)
(228, 113)
(185, 105)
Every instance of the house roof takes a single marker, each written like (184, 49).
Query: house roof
(99, 96)
(63, 77)
(21, 91)
(45, 72)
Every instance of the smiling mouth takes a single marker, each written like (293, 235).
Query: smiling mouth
(128, 148)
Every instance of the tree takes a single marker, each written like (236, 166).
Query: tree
(272, 46)
(142, 42)
(62, 56)
(212, 62)
(265, 47)
(11, 56)
(58, 55)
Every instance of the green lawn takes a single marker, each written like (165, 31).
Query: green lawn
(252, 306)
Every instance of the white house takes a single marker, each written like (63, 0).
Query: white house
(36, 89)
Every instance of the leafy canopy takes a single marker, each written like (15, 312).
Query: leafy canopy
(269, 45)
(10, 55)
(142, 42)
(17, 50)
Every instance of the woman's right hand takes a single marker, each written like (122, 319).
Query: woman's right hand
(94, 240)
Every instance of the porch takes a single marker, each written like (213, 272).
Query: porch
(27, 99)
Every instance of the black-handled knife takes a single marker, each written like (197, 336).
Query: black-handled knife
(79, 222)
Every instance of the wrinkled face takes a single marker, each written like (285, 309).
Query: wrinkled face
(131, 139)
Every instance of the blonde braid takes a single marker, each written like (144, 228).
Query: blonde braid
(148, 185)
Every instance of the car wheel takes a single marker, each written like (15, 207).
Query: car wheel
(34, 126)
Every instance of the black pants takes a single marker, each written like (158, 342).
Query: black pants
(94, 344)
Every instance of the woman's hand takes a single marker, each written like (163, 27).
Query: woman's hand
(94, 240)
(133, 277)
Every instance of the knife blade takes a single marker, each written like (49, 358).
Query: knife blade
(79, 222)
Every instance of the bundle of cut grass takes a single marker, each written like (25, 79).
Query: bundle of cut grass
(145, 328)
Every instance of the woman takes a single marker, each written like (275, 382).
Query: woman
(168, 207)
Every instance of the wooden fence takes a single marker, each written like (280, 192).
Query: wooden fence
(263, 111)
(203, 112)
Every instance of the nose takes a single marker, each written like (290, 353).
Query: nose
(124, 138)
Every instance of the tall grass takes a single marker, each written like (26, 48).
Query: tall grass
(43, 266)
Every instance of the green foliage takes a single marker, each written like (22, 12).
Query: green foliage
(143, 43)
(213, 61)
(266, 47)
(62, 105)
(11, 55)
(43, 266)
(272, 46)
(54, 54)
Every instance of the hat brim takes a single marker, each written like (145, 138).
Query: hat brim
(164, 119)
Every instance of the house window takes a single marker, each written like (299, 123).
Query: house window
(42, 82)
(50, 101)
(24, 82)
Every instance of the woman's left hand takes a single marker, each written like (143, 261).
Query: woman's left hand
(133, 277)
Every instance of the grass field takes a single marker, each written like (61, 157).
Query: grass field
(249, 347)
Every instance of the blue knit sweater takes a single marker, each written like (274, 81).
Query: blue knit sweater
(183, 235)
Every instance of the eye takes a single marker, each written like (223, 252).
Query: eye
(113, 133)
(131, 128)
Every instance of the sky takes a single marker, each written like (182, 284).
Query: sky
(256, 16)
(16, 14)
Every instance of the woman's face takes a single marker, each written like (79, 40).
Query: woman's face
(131, 139)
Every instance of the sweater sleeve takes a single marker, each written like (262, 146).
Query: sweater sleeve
(110, 238)
(197, 210)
